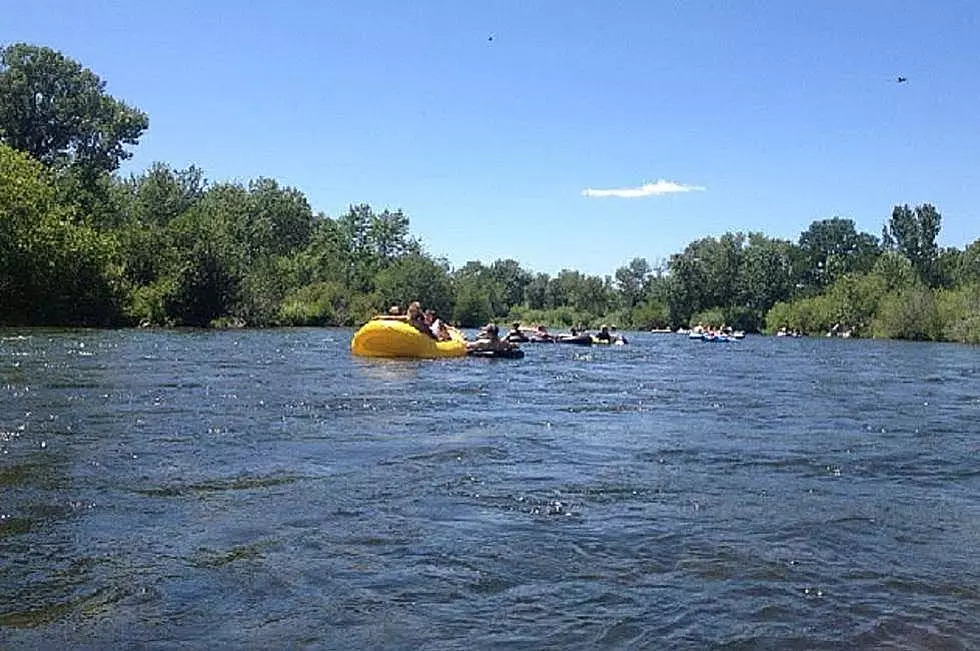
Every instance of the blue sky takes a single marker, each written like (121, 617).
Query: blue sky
(750, 116)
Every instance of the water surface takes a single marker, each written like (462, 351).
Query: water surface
(264, 489)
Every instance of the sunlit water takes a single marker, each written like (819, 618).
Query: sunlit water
(264, 489)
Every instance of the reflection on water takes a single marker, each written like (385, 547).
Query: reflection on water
(266, 489)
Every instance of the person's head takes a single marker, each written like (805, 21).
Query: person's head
(430, 316)
(603, 328)
(394, 310)
(516, 325)
(414, 309)
(491, 330)
(541, 328)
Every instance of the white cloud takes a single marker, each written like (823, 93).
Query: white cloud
(645, 190)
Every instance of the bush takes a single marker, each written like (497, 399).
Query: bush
(908, 314)
(312, 305)
(959, 314)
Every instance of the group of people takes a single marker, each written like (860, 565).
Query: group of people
(429, 323)
(541, 334)
(425, 321)
(489, 339)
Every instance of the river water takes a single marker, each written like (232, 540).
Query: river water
(265, 489)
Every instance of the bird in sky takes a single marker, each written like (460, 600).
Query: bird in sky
(490, 38)
(901, 80)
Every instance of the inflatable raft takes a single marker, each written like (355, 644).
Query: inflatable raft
(394, 338)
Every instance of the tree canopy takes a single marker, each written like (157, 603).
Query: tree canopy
(58, 111)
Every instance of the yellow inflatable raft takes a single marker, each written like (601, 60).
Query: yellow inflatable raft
(394, 338)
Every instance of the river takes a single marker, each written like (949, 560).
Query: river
(265, 489)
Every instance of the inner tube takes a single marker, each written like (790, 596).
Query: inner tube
(579, 340)
(516, 338)
(502, 353)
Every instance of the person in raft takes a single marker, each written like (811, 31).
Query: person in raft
(541, 334)
(436, 326)
(604, 334)
(516, 334)
(489, 339)
(413, 316)
(417, 318)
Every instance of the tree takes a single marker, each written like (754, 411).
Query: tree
(58, 111)
(279, 219)
(416, 277)
(53, 271)
(472, 303)
(205, 280)
(968, 269)
(631, 280)
(913, 232)
(830, 248)
(162, 193)
(705, 275)
(536, 292)
(767, 273)
(373, 242)
(511, 281)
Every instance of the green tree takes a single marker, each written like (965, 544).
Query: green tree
(206, 277)
(830, 248)
(161, 193)
(968, 265)
(278, 220)
(472, 303)
(631, 280)
(53, 270)
(511, 281)
(59, 112)
(416, 277)
(767, 275)
(536, 292)
(913, 233)
(373, 242)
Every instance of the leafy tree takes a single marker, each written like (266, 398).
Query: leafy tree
(53, 271)
(511, 281)
(830, 248)
(323, 259)
(959, 313)
(705, 275)
(373, 242)
(58, 111)
(162, 193)
(913, 232)
(968, 265)
(631, 280)
(894, 270)
(416, 277)
(477, 277)
(536, 292)
(767, 275)
(472, 307)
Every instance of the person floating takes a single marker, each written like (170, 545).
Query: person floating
(516, 335)
(489, 341)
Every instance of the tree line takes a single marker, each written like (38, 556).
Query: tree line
(82, 245)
